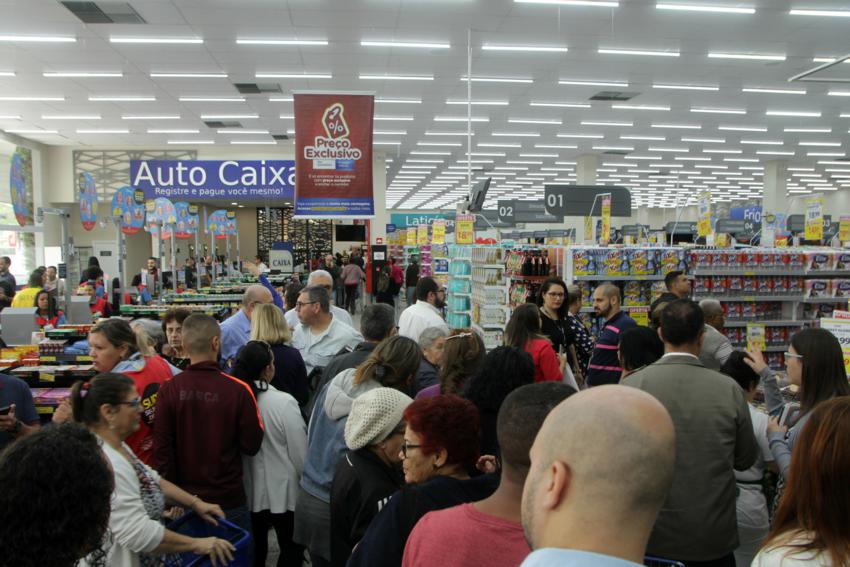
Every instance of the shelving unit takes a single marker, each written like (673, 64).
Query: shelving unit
(459, 287)
(490, 309)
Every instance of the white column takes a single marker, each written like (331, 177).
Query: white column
(379, 193)
(586, 166)
(774, 198)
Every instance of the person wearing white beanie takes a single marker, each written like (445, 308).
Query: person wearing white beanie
(370, 472)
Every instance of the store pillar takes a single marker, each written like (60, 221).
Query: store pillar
(774, 194)
(586, 166)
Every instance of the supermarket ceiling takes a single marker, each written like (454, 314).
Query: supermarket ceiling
(700, 89)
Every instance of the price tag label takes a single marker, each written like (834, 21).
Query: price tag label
(640, 315)
(48, 359)
(841, 329)
(44, 377)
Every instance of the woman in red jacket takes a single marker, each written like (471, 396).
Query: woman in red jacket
(524, 332)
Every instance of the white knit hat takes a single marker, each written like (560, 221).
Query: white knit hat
(374, 416)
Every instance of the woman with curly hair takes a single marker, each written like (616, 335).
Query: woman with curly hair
(54, 505)
(463, 354)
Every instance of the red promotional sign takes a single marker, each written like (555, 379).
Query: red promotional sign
(333, 155)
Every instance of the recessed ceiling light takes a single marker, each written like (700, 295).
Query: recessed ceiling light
(129, 98)
(762, 142)
(560, 104)
(212, 99)
(189, 142)
(10, 117)
(838, 93)
(461, 119)
(677, 126)
(705, 140)
(826, 13)
(805, 114)
(521, 48)
(80, 74)
(582, 136)
(498, 145)
(640, 107)
(293, 76)
(249, 41)
(441, 144)
(825, 144)
(385, 143)
(406, 44)
(614, 84)
(398, 100)
(650, 53)
(594, 3)
(742, 128)
(614, 148)
(773, 153)
(647, 138)
(370, 77)
(698, 8)
(160, 40)
(102, 131)
(447, 133)
(240, 131)
(479, 102)
(229, 116)
(29, 131)
(497, 80)
(37, 39)
(686, 87)
(772, 91)
(173, 131)
(718, 111)
(188, 75)
(517, 134)
(533, 121)
(32, 98)
(746, 56)
(70, 116)
(389, 132)
(151, 117)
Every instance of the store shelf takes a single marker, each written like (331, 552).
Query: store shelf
(464, 260)
(489, 266)
(624, 308)
(460, 294)
(618, 278)
(775, 323)
(749, 298)
(528, 278)
(488, 327)
(766, 349)
(825, 300)
(773, 272)
(461, 277)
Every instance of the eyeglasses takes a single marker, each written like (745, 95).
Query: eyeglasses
(299, 304)
(407, 446)
(135, 404)
(792, 355)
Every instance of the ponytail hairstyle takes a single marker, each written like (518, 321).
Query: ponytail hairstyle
(118, 333)
(88, 396)
(250, 362)
(392, 364)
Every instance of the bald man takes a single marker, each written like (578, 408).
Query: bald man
(604, 365)
(596, 485)
(323, 279)
(205, 421)
(236, 330)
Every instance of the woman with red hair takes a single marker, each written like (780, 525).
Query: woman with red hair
(810, 526)
(439, 452)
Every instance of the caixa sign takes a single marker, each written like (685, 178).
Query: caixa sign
(280, 257)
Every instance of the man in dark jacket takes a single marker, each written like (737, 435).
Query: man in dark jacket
(376, 324)
(411, 278)
(678, 287)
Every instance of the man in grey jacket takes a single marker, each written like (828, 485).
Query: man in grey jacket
(714, 437)
(716, 347)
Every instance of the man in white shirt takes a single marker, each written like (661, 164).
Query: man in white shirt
(258, 260)
(430, 299)
(577, 507)
(323, 279)
(320, 336)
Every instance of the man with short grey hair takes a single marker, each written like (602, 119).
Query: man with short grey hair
(716, 347)
(320, 335)
(431, 341)
(236, 330)
(323, 279)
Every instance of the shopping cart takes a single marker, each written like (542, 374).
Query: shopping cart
(650, 561)
(193, 525)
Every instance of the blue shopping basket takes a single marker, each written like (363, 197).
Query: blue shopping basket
(193, 525)
(650, 561)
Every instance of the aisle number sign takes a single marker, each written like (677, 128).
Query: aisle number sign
(438, 232)
(756, 337)
(606, 219)
(841, 329)
(422, 234)
(814, 218)
(704, 209)
(844, 229)
(465, 229)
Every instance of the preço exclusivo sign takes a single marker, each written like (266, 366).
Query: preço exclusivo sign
(254, 180)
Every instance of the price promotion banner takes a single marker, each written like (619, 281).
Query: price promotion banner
(183, 228)
(588, 229)
(217, 224)
(128, 209)
(160, 211)
(333, 155)
(438, 232)
(606, 219)
(640, 315)
(465, 229)
(844, 229)
(88, 200)
(704, 210)
(411, 236)
(422, 235)
(814, 218)
(756, 337)
(841, 329)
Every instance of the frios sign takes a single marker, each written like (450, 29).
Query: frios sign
(254, 180)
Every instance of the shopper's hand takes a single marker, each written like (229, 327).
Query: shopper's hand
(562, 362)
(173, 513)
(220, 551)
(487, 464)
(63, 412)
(774, 427)
(209, 512)
(251, 267)
(755, 360)
(8, 422)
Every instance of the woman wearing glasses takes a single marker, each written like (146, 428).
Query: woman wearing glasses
(110, 407)
(271, 476)
(555, 321)
(815, 364)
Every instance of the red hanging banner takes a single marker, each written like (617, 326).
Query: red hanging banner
(333, 155)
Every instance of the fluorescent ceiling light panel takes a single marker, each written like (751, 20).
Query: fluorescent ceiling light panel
(229, 116)
(70, 116)
(746, 56)
(686, 87)
(293, 76)
(560, 104)
(647, 138)
(82, 74)
(102, 131)
(240, 131)
(534, 121)
(479, 102)
(650, 53)
(592, 3)
(7, 73)
(742, 128)
(395, 100)
(824, 13)
(32, 98)
(406, 44)
(711, 9)
(772, 91)
(157, 40)
(172, 131)
(211, 99)
(189, 142)
(521, 48)
(614, 84)
(129, 98)
(447, 133)
(677, 126)
(640, 107)
(389, 132)
(497, 80)
(804, 114)
(461, 119)
(29, 131)
(370, 77)
(252, 41)
(763, 142)
(584, 136)
(517, 134)
(606, 123)
(498, 145)
(838, 93)
(37, 38)
(718, 111)
(10, 117)
(705, 140)
(823, 144)
(188, 75)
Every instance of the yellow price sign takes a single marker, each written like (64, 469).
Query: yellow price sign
(465, 229)
(640, 315)
(814, 218)
(422, 235)
(438, 232)
(756, 337)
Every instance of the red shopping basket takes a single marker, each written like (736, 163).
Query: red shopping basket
(194, 526)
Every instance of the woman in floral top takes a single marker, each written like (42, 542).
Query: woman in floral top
(583, 338)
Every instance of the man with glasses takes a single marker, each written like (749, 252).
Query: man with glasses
(320, 336)
(236, 330)
(323, 279)
(426, 312)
